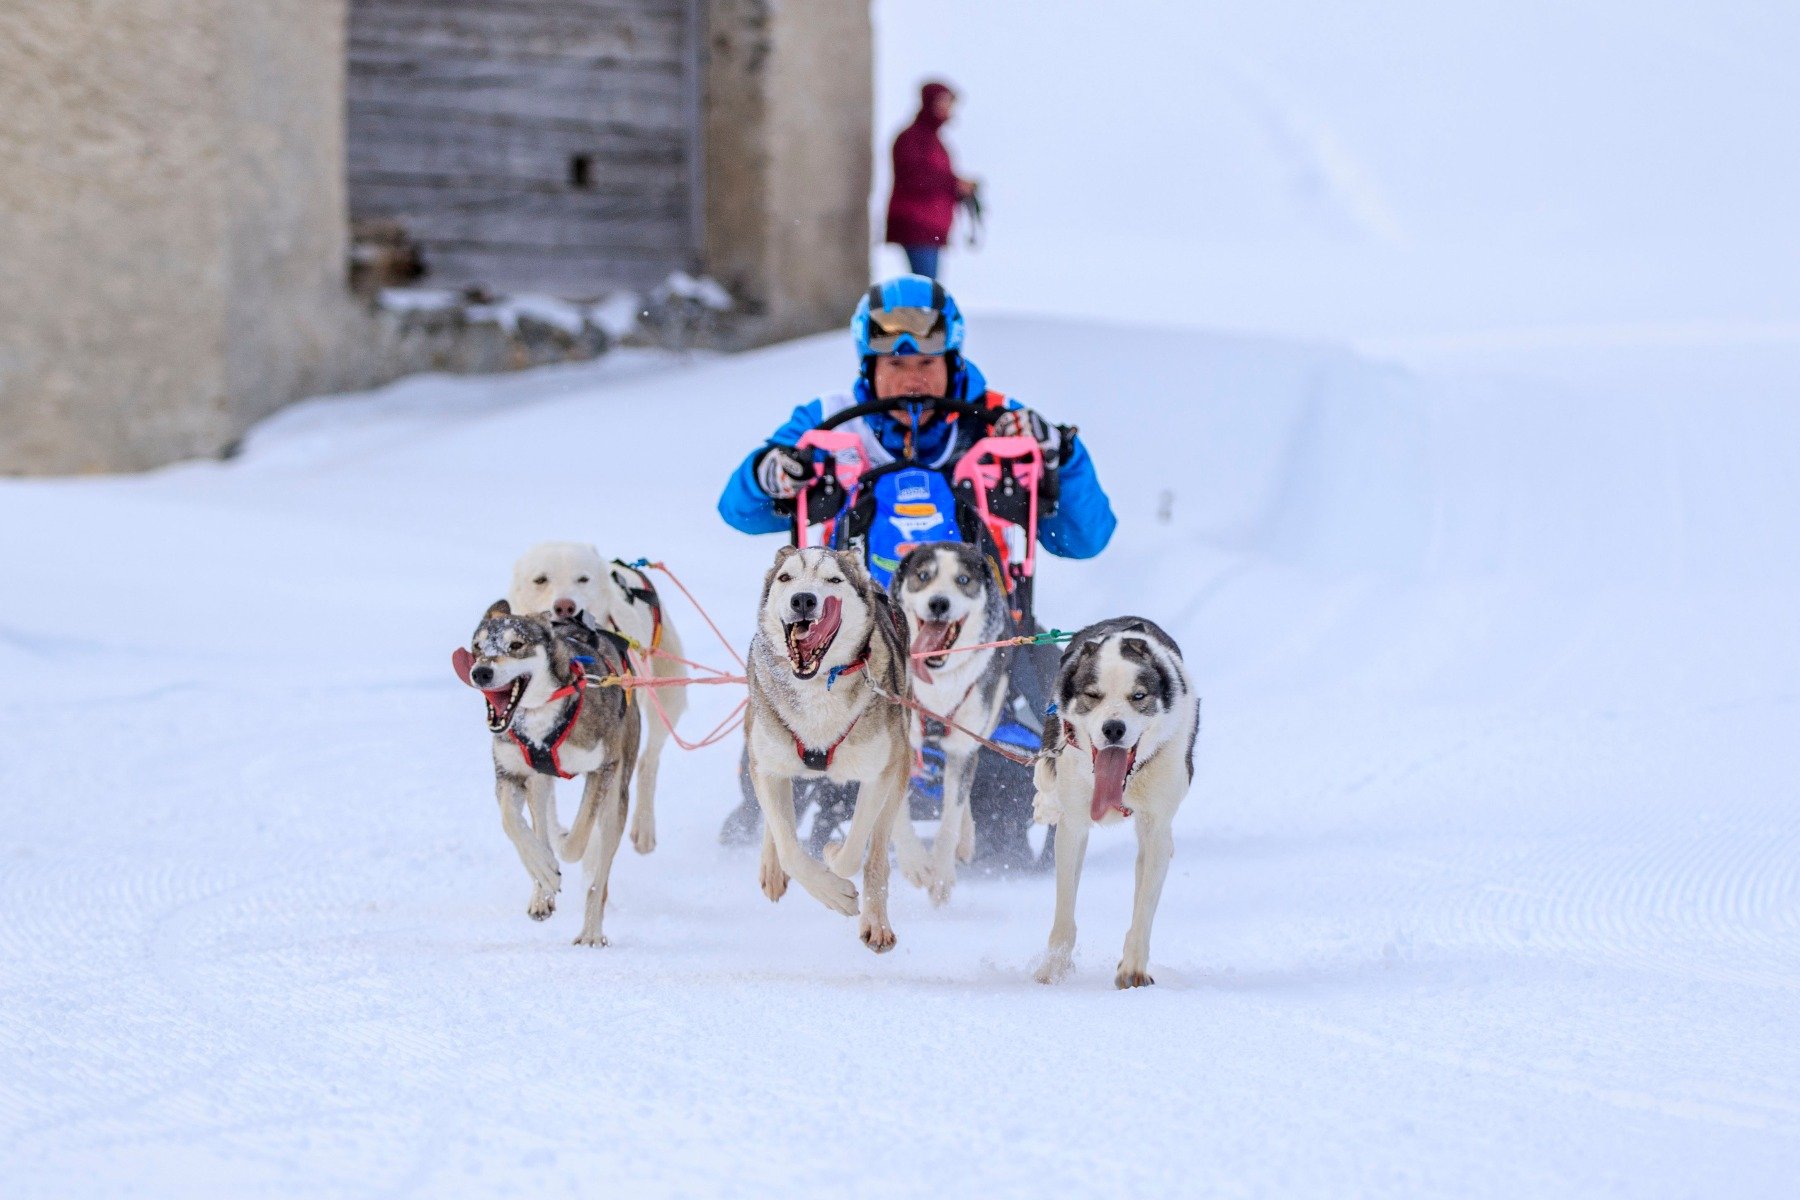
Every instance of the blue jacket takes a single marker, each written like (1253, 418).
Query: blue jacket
(1083, 523)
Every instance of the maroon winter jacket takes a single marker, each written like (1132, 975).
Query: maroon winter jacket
(924, 197)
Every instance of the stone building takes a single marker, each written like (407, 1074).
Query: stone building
(178, 180)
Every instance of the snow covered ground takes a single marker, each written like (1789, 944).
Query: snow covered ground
(1490, 881)
(1489, 884)
(1390, 169)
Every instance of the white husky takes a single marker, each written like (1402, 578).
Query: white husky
(1123, 746)
(571, 581)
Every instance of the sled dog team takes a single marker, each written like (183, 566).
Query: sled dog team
(834, 691)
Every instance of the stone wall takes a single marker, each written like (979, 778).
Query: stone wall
(173, 207)
(789, 122)
(171, 224)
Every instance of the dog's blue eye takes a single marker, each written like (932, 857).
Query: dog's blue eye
(1139, 695)
(963, 580)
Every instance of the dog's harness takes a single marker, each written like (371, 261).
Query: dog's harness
(547, 758)
(644, 593)
(820, 760)
(933, 726)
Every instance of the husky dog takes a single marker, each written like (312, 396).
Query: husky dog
(571, 581)
(951, 597)
(548, 723)
(1122, 746)
(827, 666)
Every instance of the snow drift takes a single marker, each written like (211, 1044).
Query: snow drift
(1487, 885)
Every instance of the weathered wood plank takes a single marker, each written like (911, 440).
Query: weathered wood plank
(526, 164)
(480, 141)
(464, 117)
(500, 204)
(482, 29)
(573, 275)
(646, 100)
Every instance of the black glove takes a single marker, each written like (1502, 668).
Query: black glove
(782, 471)
(1025, 422)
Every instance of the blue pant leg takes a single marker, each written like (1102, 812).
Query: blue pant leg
(923, 260)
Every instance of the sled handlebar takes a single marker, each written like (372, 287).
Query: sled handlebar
(937, 404)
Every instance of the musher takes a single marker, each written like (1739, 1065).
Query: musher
(909, 337)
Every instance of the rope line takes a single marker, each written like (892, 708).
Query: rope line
(1047, 638)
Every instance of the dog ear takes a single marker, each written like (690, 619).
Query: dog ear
(1075, 667)
(559, 648)
(850, 562)
(498, 608)
(781, 556)
(888, 646)
(1136, 649)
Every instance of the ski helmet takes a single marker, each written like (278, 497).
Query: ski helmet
(908, 314)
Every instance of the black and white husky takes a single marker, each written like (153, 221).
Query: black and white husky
(826, 669)
(952, 598)
(547, 724)
(1122, 746)
(570, 581)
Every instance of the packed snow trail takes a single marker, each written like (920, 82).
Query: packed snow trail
(1489, 883)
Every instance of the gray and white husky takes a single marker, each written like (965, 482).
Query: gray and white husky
(547, 724)
(570, 581)
(1122, 746)
(826, 668)
(951, 597)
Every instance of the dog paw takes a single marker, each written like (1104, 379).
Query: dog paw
(836, 892)
(918, 873)
(1132, 977)
(591, 939)
(940, 890)
(643, 840)
(1054, 969)
(1045, 810)
(774, 882)
(543, 903)
(877, 935)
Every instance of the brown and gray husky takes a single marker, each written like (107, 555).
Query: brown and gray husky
(827, 667)
(549, 722)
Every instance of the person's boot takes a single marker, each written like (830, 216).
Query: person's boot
(1001, 797)
(743, 825)
(837, 804)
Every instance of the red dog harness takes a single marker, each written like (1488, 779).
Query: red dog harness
(820, 760)
(547, 759)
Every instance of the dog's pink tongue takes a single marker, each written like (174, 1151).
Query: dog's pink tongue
(1111, 766)
(825, 628)
(934, 636)
(460, 660)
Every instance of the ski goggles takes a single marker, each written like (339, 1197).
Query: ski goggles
(913, 330)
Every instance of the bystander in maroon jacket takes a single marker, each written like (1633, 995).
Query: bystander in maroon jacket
(926, 187)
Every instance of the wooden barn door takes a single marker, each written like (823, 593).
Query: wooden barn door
(530, 145)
